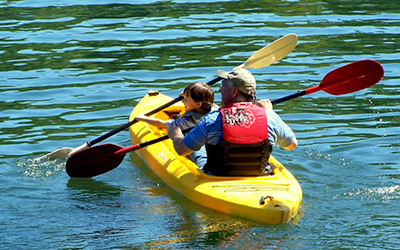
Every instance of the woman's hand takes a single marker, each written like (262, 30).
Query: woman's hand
(140, 117)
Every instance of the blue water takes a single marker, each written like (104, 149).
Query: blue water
(71, 71)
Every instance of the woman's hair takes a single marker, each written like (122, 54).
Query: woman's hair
(200, 92)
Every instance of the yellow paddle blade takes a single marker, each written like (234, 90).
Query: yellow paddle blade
(59, 153)
(273, 52)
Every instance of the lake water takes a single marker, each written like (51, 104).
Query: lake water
(73, 70)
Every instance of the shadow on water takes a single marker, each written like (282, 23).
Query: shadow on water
(86, 194)
(91, 188)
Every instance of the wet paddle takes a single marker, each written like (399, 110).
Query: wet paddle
(352, 77)
(347, 79)
(267, 55)
(97, 160)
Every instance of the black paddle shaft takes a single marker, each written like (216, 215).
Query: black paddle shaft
(127, 125)
(289, 97)
(148, 143)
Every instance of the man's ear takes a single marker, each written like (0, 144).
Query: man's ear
(235, 92)
(199, 104)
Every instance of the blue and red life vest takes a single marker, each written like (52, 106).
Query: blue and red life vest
(244, 149)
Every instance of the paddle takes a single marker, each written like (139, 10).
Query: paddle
(352, 77)
(347, 79)
(97, 160)
(267, 55)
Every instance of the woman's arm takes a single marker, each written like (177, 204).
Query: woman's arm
(152, 121)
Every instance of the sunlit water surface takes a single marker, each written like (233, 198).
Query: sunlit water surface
(71, 71)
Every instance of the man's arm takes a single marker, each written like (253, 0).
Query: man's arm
(266, 104)
(175, 133)
(293, 144)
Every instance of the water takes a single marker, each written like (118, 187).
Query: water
(71, 71)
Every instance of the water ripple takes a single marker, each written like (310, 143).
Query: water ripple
(71, 71)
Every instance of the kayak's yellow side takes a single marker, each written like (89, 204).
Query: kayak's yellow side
(271, 199)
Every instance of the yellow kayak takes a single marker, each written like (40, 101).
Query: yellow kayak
(266, 199)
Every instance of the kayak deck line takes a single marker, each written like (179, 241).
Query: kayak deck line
(244, 189)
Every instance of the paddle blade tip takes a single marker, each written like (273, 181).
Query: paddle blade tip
(352, 77)
(273, 52)
(94, 161)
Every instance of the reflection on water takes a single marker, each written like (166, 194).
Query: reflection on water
(379, 194)
(71, 71)
(89, 186)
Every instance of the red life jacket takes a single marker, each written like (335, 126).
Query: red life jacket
(244, 148)
(244, 123)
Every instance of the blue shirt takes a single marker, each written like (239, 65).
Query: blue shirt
(187, 121)
(209, 131)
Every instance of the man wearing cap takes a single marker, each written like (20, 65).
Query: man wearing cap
(239, 136)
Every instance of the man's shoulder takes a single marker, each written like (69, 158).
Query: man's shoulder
(210, 120)
(212, 115)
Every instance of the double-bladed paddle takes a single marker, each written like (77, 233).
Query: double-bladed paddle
(347, 79)
(352, 77)
(267, 55)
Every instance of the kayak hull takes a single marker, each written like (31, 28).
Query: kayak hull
(266, 199)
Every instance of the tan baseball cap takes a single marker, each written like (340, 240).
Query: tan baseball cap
(242, 79)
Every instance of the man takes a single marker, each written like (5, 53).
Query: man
(239, 136)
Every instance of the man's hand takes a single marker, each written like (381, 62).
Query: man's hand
(265, 103)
